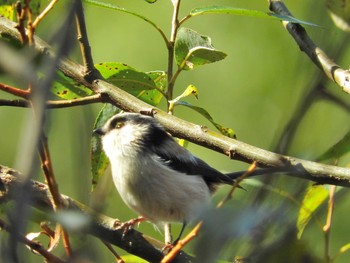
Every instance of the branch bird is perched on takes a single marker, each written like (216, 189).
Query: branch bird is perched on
(154, 175)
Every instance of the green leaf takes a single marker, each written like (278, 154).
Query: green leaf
(190, 90)
(151, 1)
(338, 150)
(67, 89)
(244, 12)
(193, 50)
(139, 84)
(344, 248)
(7, 9)
(133, 259)
(154, 96)
(314, 197)
(99, 160)
(121, 9)
(224, 130)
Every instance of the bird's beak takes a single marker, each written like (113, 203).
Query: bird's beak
(98, 131)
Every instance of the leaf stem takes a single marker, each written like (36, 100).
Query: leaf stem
(174, 28)
(90, 71)
(117, 8)
(15, 91)
(327, 227)
(42, 15)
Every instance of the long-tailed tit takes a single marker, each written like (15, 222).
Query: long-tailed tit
(156, 177)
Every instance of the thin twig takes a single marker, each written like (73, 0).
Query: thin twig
(327, 227)
(171, 46)
(15, 91)
(115, 254)
(175, 250)
(47, 168)
(42, 15)
(32, 244)
(250, 170)
(180, 245)
(90, 71)
(333, 71)
(56, 104)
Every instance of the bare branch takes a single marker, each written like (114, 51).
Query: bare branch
(101, 226)
(33, 245)
(89, 69)
(56, 104)
(316, 54)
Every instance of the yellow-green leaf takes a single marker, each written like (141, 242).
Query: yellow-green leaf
(224, 130)
(68, 89)
(99, 161)
(314, 197)
(137, 83)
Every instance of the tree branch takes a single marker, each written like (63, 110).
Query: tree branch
(197, 134)
(316, 54)
(101, 226)
(32, 244)
(56, 104)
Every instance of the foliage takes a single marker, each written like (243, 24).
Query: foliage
(239, 231)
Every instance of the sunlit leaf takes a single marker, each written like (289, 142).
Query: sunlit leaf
(67, 89)
(344, 248)
(154, 96)
(8, 9)
(224, 130)
(314, 197)
(340, 13)
(135, 82)
(182, 142)
(245, 12)
(133, 259)
(99, 160)
(338, 150)
(190, 90)
(193, 50)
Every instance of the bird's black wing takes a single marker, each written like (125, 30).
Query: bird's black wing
(180, 159)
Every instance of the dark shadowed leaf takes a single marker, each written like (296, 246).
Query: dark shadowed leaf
(99, 160)
(314, 197)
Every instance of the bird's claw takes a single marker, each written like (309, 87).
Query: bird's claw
(128, 225)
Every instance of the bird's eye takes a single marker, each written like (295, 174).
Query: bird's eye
(119, 125)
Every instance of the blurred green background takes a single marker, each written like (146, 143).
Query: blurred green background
(255, 91)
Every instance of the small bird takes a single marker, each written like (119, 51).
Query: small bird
(156, 177)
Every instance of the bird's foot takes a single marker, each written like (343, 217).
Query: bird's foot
(128, 225)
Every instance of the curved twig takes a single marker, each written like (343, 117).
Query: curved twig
(317, 55)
